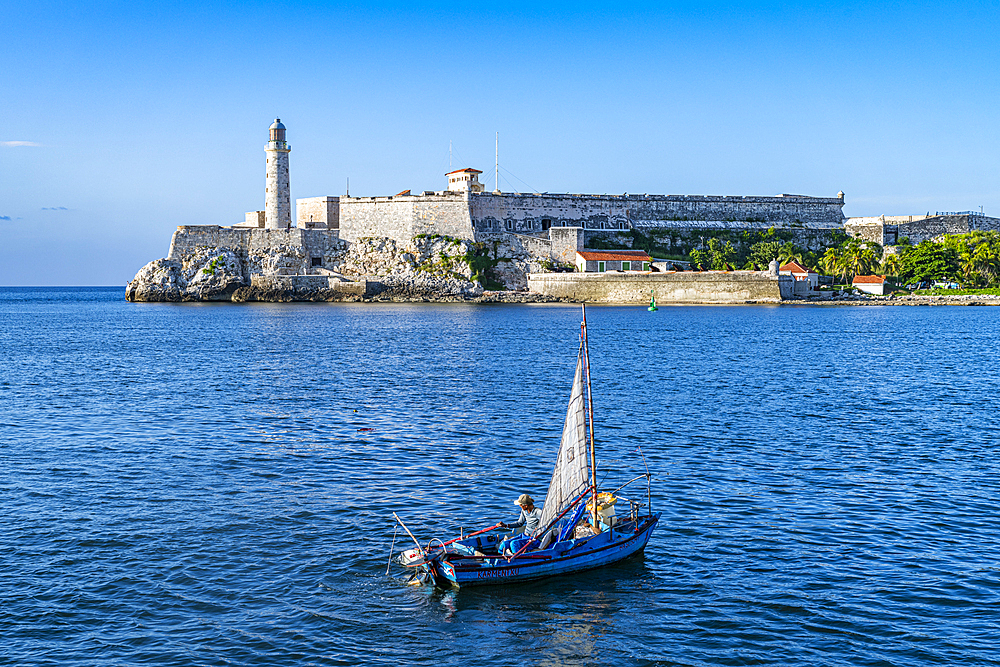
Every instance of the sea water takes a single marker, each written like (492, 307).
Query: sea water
(213, 484)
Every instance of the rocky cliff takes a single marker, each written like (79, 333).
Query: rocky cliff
(231, 264)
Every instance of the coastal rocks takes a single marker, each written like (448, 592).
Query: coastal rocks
(224, 264)
(213, 275)
(429, 267)
(209, 275)
(160, 280)
(277, 295)
(433, 255)
(419, 286)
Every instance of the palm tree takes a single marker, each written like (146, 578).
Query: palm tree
(986, 261)
(789, 253)
(892, 265)
(833, 263)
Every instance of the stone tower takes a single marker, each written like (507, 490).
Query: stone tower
(278, 198)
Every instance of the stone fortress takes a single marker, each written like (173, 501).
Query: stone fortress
(346, 244)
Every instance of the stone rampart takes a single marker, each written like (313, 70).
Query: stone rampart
(402, 217)
(533, 213)
(887, 230)
(931, 227)
(565, 242)
(686, 287)
(865, 230)
(317, 213)
(263, 251)
(471, 215)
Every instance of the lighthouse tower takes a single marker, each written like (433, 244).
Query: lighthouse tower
(278, 198)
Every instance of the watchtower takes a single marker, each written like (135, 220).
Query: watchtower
(464, 180)
(277, 196)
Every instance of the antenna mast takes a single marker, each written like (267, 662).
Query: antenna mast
(497, 188)
(449, 154)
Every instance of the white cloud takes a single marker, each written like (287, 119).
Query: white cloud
(4, 217)
(54, 208)
(18, 143)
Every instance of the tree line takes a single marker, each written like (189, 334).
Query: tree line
(973, 258)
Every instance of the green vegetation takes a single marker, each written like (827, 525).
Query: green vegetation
(477, 258)
(210, 269)
(718, 255)
(972, 259)
(560, 267)
(747, 249)
(853, 257)
(482, 265)
(990, 291)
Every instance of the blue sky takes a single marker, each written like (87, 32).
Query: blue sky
(123, 120)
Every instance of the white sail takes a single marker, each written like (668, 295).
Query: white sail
(571, 475)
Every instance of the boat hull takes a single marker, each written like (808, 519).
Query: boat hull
(564, 558)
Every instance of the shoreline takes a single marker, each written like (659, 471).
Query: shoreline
(511, 296)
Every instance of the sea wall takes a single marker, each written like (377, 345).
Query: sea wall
(685, 287)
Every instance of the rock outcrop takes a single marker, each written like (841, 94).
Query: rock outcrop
(248, 265)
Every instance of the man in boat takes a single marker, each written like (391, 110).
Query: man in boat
(530, 515)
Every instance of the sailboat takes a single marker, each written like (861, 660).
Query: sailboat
(580, 528)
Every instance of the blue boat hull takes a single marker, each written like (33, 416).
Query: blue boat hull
(454, 569)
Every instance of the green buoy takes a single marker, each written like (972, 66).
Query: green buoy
(652, 302)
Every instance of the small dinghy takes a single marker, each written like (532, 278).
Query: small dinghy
(580, 528)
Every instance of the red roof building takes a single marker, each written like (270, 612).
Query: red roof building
(464, 180)
(600, 261)
(806, 279)
(870, 284)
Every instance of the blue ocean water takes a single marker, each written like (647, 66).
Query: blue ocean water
(190, 484)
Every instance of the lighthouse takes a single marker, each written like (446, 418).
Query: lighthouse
(277, 197)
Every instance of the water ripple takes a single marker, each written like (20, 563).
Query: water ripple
(192, 484)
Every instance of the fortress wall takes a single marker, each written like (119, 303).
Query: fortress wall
(928, 228)
(262, 251)
(402, 218)
(190, 239)
(531, 213)
(565, 243)
(686, 287)
(887, 230)
(369, 217)
(317, 212)
(448, 215)
(866, 231)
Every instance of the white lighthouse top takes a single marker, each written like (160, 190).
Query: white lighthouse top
(276, 135)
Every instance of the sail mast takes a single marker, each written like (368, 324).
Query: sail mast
(590, 419)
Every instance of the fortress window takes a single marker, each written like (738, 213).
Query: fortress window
(510, 225)
(546, 223)
(317, 261)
